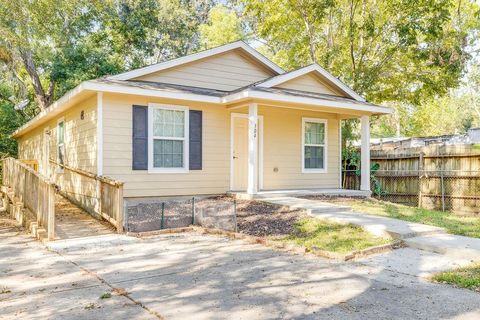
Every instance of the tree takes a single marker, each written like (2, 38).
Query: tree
(223, 26)
(393, 50)
(61, 43)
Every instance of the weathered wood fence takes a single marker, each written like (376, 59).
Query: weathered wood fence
(436, 177)
(29, 197)
(96, 194)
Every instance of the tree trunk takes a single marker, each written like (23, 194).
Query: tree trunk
(45, 99)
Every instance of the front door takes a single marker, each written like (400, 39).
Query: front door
(240, 154)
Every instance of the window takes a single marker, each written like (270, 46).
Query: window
(61, 143)
(168, 145)
(314, 146)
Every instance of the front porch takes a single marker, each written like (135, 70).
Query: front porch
(263, 194)
(275, 151)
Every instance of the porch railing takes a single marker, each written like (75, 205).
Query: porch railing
(25, 189)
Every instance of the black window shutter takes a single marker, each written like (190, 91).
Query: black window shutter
(195, 140)
(140, 138)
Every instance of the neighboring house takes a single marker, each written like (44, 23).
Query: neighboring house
(471, 137)
(219, 120)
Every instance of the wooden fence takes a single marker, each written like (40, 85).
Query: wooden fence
(107, 193)
(26, 192)
(437, 177)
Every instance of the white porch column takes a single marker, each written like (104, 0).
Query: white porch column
(252, 186)
(365, 154)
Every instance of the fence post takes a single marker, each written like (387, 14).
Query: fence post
(421, 171)
(163, 211)
(51, 212)
(443, 189)
(119, 208)
(193, 210)
(99, 196)
(235, 214)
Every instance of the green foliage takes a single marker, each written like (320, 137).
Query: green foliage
(391, 50)
(106, 295)
(9, 121)
(223, 26)
(465, 277)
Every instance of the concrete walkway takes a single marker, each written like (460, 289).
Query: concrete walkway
(193, 276)
(416, 235)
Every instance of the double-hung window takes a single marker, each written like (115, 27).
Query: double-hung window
(314, 148)
(168, 143)
(61, 144)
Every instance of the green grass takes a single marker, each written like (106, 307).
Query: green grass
(333, 237)
(461, 225)
(466, 277)
(106, 295)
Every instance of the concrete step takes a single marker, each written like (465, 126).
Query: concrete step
(308, 205)
(447, 244)
(381, 226)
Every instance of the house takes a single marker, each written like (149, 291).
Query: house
(224, 119)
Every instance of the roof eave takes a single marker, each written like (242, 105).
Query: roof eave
(278, 97)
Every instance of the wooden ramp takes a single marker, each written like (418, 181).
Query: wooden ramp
(72, 221)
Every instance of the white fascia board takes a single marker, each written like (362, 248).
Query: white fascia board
(113, 88)
(197, 56)
(250, 94)
(311, 68)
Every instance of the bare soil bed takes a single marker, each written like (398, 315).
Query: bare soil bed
(262, 219)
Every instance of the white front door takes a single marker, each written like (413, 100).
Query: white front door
(239, 155)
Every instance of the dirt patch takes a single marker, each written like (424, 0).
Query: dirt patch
(262, 219)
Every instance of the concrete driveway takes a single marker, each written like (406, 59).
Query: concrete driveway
(193, 276)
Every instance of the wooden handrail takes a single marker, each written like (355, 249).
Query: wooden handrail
(87, 174)
(28, 168)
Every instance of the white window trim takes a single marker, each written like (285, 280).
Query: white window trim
(325, 146)
(151, 168)
(59, 168)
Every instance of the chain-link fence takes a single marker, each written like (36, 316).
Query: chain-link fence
(210, 212)
(445, 190)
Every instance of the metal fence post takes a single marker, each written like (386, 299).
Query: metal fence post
(163, 211)
(235, 215)
(443, 189)
(193, 210)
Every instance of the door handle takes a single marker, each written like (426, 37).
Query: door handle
(235, 157)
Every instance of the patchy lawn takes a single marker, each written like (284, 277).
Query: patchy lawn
(296, 227)
(461, 225)
(334, 237)
(466, 277)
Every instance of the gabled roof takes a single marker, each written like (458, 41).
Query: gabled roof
(313, 68)
(197, 56)
(179, 92)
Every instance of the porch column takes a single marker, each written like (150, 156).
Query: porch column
(252, 186)
(365, 154)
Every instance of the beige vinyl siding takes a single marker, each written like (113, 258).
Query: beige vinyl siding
(80, 150)
(283, 150)
(228, 71)
(310, 83)
(212, 179)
